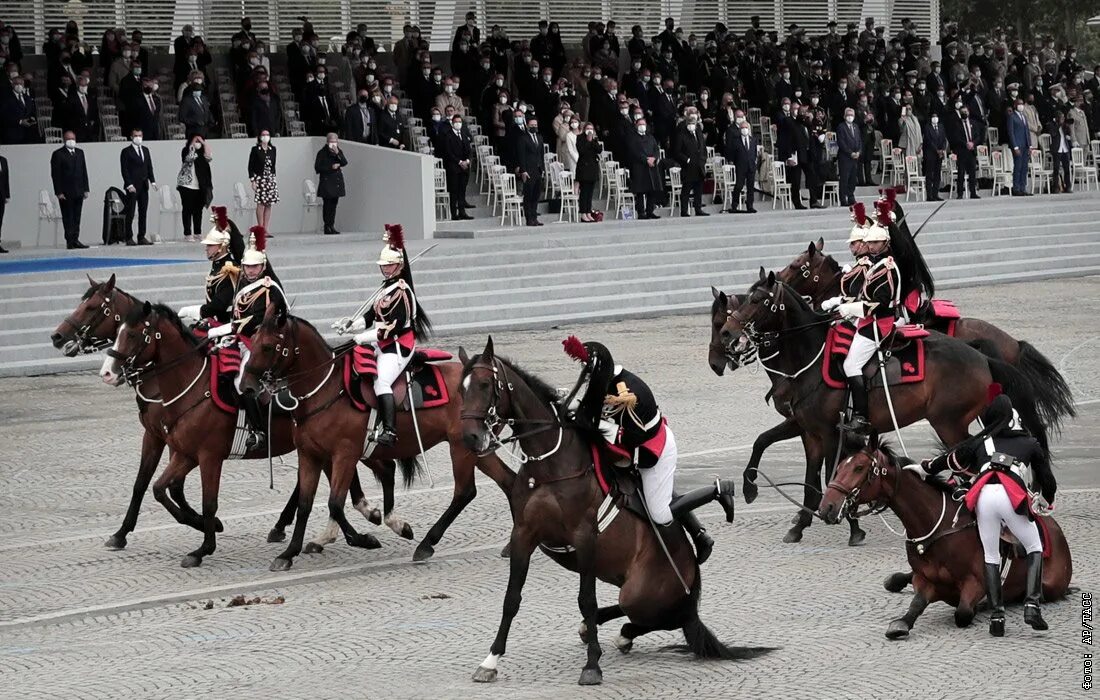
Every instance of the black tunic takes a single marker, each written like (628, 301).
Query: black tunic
(249, 307)
(630, 404)
(221, 287)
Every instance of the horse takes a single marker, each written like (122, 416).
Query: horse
(772, 312)
(817, 276)
(944, 550)
(157, 355)
(554, 502)
(330, 432)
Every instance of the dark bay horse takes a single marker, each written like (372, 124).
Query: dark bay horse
(817, 275)
(778, 323)
(331, 433)
(941, 543)
(554, 501)
(94, 325)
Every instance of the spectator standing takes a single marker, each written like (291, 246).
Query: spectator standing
(84, 112)
(329, 166)
(742, 150)
(136, 164)
(1019, 138)
(319, 107)
(588, 169)
(849, 142)
(195, 185)
(69, 172)
(456, 150)
(964, 136)
(390, 132)
(266, 112)
(642, 153)
(1061, 143)
(194, 110)
(689, 150)
(527, 153)
(361, 121)
(934, 150)
(261, 173)
(18, 119)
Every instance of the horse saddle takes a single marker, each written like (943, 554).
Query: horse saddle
(623, 486)
(904, 349)
(428, 388)
(225, 364)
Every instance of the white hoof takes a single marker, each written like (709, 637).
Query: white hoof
(623, 644)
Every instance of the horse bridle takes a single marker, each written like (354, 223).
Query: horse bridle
(849, 505)
(83, 332)
(493, 422)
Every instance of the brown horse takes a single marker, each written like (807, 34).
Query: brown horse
(816, 275)
(328, 430)
(779, 324)
(554, 501)
(941, 538)
(93, 325)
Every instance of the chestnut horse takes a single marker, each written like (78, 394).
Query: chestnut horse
(816, 275)
(941, 537)
(329, 431)
(554, 499)
(93, 325)
(775, 320)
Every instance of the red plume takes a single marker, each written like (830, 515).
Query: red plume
(261, 237)
(884, 210)
(575, 349)
(993, 392)
(859, 213)
(395, 235)
(891, 194)
(221, 218)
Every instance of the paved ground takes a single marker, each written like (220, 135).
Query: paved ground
(77, 620)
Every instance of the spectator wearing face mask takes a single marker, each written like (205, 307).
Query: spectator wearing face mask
(266, 112)
(964, 135)
(361, 120)
(297, 63)
(527, 153)
(449, 98)
(195, 112)
(194, 184)
(910, 136)
(181, 49)
(140, 53)
(120, 68)
(137, 176)
(144, 109)
(455, 148)
(18, 116)
(192, 63)
(391, 133)
(245, 35)
(319, 107)
(1034, 120)
(69, 173)
(329, 166)
(424, 85)
(261, 174)
(404, 53)
(743, 152)
(850, 152)
(642, 155)
(587, 169)
(689, 150)
(365, 73)
(83, 112)
(567, 143)
(129, 94)
(1061, 144)
(663, 107)
(934, 150)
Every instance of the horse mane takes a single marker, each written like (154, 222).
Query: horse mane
(892, 457)
(137, 314)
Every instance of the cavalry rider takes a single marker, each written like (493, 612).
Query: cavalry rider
(917, 285)
(856, 247)
(621, 406)
(392, 325)
(224, 247)
(257, 288)
(870, 297)
(1008, 463)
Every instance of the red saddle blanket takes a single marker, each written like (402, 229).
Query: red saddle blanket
(225, 363)
(905, 364)
(429, 388)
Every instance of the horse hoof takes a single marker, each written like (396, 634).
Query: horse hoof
(506, 553)
(115, 542)
(424, 552)
(963, 618)
(276, 535)
(898, 629)
(280, 564)
(896, 583)
(750, 491)
(191, 561)
(997, 627)
(623, 644)
(364, 541)
(591, 676)
(793, 535)
(406, 532)
(313, 548)
(857, 538)
(485, 675)
(218, 527)
(375, 516)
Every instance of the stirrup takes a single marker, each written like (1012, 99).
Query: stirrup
(386, 437)
(857, 424)
(255, 440)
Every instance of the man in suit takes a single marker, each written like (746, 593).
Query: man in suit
(84, 112)
(849, 143)
(360, 121)
(319, 107)
(194, 110)
(329, 166)
(456, 149)
(18, 119)
(527, 152)
(934, 150)
(964, 136)
(137, 175)
(144, 109)
(689, 150)
(793, 147)
(742, 150)
(70, 183)
(663, 106)
(5, 194)
(1019, 140)
(642, 154)
(391, 133)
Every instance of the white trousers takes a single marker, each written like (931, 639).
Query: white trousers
(992, 509)
(245, 354)
(390, 367)
(657, 482)
(862, 350)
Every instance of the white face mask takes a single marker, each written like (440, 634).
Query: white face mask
(265, 139)
(814, 101)
(691, 128)
(437, 117)
(83, 89)
(786, 108)
(499, 82)
(70, 143)
(333, 145)
(935, 120)
(612, 93)
(642, 129)
(849, 118)
(574, 125)
(392, 108)
(503, 100)
(137, 140)
(746, 132)
(369, 78)
(457, 126)
(624, 111)
(589, 133)
(449, 90)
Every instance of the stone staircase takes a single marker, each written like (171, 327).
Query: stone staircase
(483, 277)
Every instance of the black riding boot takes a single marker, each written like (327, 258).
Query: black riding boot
(257, 425)
(704, 545)
(993, 590)
(1032, 615)
(722, 491)
(387, 411)
(858, 424)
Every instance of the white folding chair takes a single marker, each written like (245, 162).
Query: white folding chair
(311, 203)
(442, 196)
(1040, 175)
(511, 202)
(781, 189)
(170, 205)
(676, 187)
(623, 195)
(914, 181)
(49, 211)
(570, 200)
(243, 204)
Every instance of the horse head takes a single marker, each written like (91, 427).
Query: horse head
(274, 351)
(759, 314)
(94, 323)
(812, 272)
(486, 397)
(136, 344)
(718, 355)
(860, 479)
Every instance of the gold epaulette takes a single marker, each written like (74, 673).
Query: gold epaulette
(624, 400)
(230, 271)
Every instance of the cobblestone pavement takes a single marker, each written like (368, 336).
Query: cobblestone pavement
(77, 620)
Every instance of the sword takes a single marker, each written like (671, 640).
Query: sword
(416, 427)
(366, 304)
(886, 387)
(934, 212)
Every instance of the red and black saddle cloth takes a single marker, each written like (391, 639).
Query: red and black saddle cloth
(904, 363)
(225, 363)
(428, 390)
(939, 315)
(624, 486)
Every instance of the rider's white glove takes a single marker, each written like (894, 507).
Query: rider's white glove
(219, 331)
(851, 309)
(610, 430)
(348, 325)
(830, 304)
(366, 337)
(191, 312)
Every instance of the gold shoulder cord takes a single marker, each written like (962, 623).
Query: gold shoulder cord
(623, 402)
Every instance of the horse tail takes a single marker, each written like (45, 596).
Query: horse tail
(411, 469)
(1052, 393)
(702, 642)
(1019, 388)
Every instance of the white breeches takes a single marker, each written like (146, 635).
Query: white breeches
(657, 482)
(245, 354)
(390, 367)
(862, 350)
(992, 509)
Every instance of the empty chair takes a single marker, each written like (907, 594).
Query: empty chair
(781, 189)
(511, 202)
(570, 200)
(243, 203)
(311, 203)
(170, 206)
(49, 211)
(914, 181)
(677, 189)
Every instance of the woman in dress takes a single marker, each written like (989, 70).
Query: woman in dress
(588, 169)
(194, 184)
(261, 173)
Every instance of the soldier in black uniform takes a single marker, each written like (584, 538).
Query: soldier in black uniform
(621, 406)
(1009, 464)
(224, 247)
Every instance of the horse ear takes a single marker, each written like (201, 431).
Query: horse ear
(821, 244)
(873, 440)
(488, 348)
(462, 356)
(91, 282)
(713, 290)
(812, 249)
(146, 308)
(763, 274)
(110, 285)
(771, 279)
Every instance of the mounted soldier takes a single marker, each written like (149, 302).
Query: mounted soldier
(618, 404)
(1008, 464)
(392, 325)
(257, 288)
(224, 248)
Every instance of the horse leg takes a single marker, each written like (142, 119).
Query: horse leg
(392, 520)
(178, 467)
(523, 544)
(194, 518)
(342, 470)
(462, 467)
(585, 546)
(152, 447)
(309, 473)
(813, 448)
(603, 615)
(899, 628)
(897, 581)
(211, 474)
(359, 499)
(327, 535)
(278, 533)
(972, 592)
(624, 642)
(784, 431)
